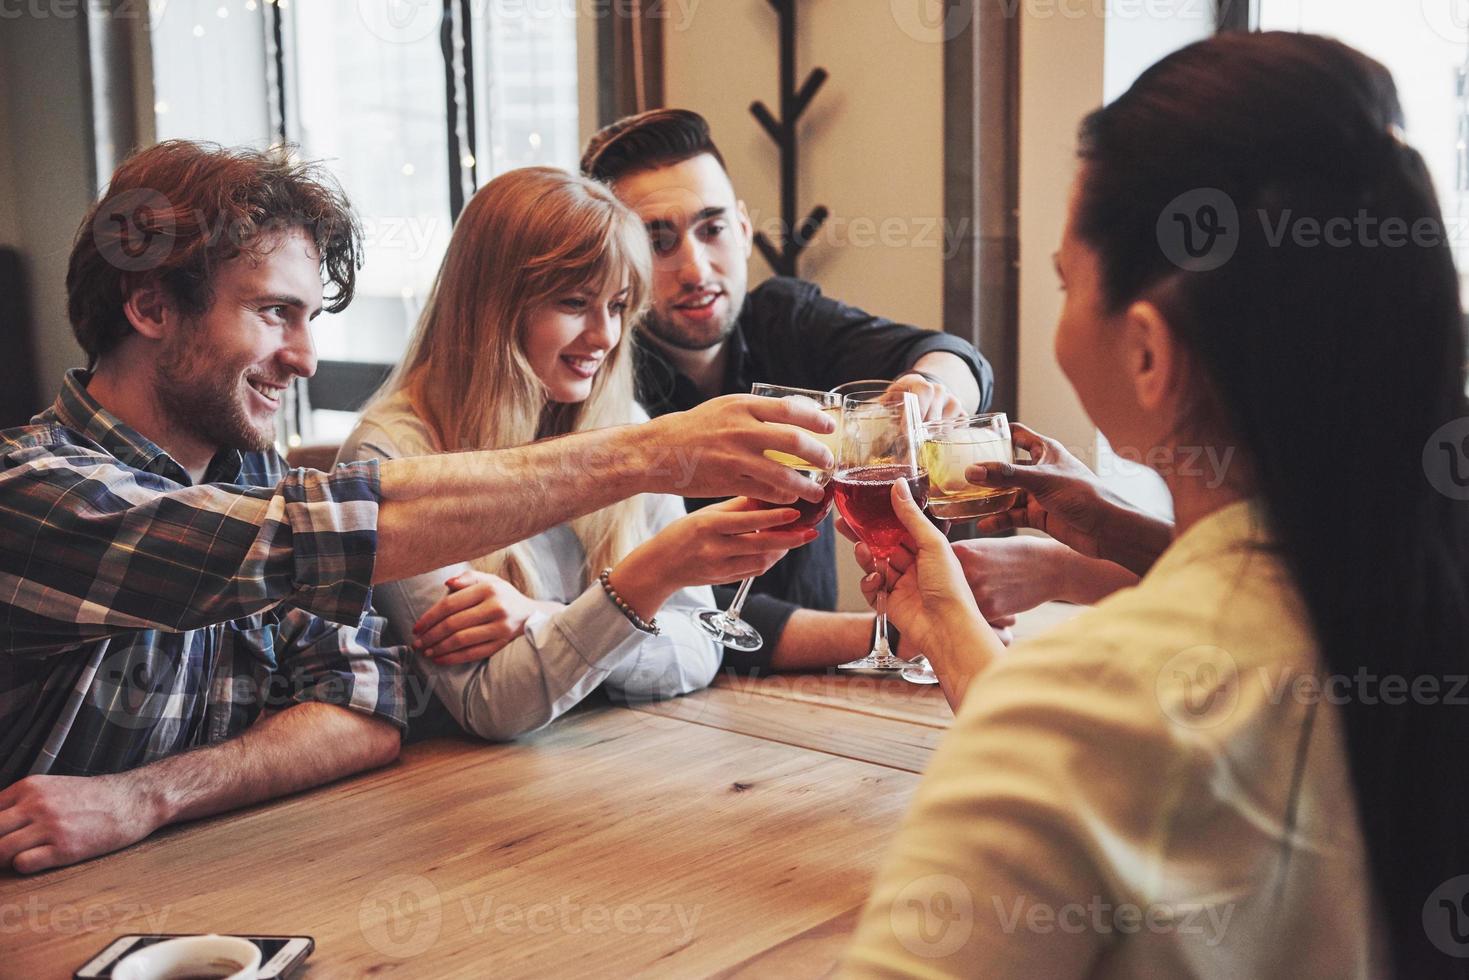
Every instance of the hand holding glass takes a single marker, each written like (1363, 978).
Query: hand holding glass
(952, 446)
(880, 444)
(727, 627)
(949, 448)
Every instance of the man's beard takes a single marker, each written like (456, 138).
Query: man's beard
(674, 336)
(668, 331)
(204, 398)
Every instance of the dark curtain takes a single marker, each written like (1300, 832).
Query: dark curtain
(629, 59)
(18, 396)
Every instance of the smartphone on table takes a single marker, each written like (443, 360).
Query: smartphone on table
(280, 956)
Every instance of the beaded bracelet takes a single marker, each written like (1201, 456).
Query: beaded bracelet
(646, 625)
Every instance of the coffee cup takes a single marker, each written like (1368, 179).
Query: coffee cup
(192, 958)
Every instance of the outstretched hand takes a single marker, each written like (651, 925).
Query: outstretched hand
(1001, 622)
(1062, 497)
(717, 449)
(935, 402)
(1066, 500)
(725, 542)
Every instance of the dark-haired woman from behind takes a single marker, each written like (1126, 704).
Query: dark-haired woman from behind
(1249, 764)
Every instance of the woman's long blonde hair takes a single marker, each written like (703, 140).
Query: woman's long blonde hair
(525, 238)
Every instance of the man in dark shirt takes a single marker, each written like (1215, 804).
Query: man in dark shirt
(707, 335)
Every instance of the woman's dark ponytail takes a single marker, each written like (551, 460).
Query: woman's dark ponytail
(1338, 368)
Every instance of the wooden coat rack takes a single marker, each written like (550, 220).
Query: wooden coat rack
(793, 103)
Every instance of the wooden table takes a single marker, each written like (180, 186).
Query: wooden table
(733, 832)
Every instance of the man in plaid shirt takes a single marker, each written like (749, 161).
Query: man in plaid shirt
(184, 623)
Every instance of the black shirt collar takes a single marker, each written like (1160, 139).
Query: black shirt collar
(662, 388)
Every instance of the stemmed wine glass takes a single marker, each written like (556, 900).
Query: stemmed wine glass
(949, 448)
(726, 626)
(881, 438)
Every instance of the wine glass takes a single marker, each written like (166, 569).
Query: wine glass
(918, 670)
(949, 448)
(881, 439)
(864, 388)
(726, 626)
(952, 446)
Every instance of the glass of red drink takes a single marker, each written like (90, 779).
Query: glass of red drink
(726, 626)
(880, 445)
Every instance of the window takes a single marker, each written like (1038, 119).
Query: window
(410, 104)
(529, 106)
(209, 79)
(375, 111)
(1426, 47)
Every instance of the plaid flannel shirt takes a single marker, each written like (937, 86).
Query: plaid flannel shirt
(142, 614)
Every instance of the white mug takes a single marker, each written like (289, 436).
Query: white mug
(222, 957)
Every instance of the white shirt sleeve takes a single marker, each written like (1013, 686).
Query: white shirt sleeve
(684, 659)
(559, 659)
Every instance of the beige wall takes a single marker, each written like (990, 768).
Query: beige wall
(42, 72)
(1060, 82)
(872, 148)
(1070, 65)
(9, 220)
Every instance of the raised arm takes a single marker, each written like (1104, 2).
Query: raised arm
(1009, 576)
(455, 507)
(93, 548)
(850, 344)
(162, 556)
(1066, 500)
(955, 373)
(930, 601)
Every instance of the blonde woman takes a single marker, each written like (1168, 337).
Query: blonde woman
(523, 339)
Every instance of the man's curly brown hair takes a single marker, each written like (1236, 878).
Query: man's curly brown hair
(173, 213)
